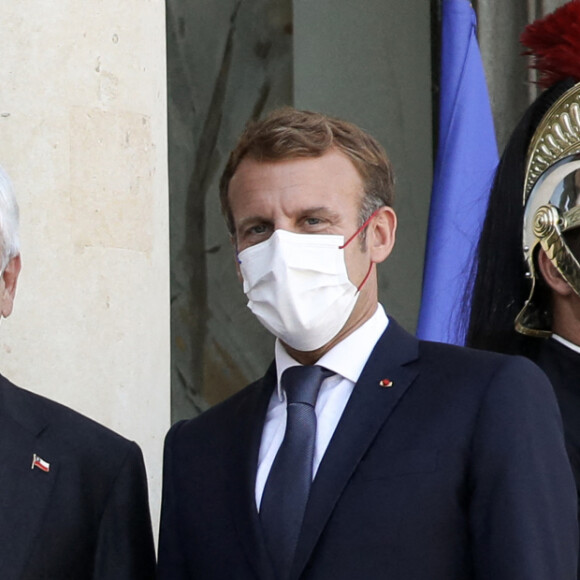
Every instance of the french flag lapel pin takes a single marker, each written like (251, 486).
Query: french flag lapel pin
(40, 463)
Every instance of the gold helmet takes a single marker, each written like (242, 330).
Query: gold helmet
(552, 204)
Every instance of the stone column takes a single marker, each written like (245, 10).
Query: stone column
(83, 136)
(510, 82)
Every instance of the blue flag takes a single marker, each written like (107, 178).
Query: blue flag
(466, 161)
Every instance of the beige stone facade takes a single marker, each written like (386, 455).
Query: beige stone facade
(83, 136)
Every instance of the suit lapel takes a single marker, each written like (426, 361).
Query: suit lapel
(369, 407)
(25, 491)
(242, 476)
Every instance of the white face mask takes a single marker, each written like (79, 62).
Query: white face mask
(298, 287)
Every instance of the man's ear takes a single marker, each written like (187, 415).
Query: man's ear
(10, 280)
(381, 234)
(552, 277)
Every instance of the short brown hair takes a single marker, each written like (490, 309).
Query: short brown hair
(290, 134)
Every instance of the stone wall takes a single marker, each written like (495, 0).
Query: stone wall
(83, 136)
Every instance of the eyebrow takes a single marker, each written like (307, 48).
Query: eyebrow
(333, 215)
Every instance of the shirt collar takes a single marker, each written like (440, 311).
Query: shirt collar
(348, 357)
(567, 343)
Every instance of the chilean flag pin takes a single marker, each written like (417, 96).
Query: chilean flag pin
(40, 463)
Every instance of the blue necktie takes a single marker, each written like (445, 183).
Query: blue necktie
(288, 485)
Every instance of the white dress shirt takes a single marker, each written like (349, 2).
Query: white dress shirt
(347, 360)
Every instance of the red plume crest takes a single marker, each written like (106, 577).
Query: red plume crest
(554, 44)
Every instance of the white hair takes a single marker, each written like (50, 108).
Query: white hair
(9, 242)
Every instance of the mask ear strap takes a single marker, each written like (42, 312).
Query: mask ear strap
(366, 276)
(359, 231)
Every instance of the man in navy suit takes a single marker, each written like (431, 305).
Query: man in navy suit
(426, 461)
(73, 494)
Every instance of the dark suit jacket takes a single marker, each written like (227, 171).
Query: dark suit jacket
(457, 471)
(88, 516)
(562, 366)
